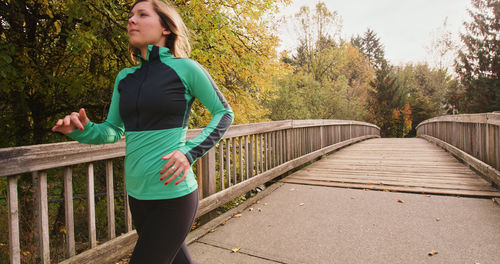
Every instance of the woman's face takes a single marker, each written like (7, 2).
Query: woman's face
(144, 27)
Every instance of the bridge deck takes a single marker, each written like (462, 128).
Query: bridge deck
(392, 164)
(313, 223)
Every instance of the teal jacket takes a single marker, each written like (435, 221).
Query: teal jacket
(151, 103)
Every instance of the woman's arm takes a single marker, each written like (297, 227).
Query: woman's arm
(203, 87)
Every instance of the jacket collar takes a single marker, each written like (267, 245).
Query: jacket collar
(154, 53)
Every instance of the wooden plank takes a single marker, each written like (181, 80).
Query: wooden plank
(400, 182)
(68, 212)
(13, 203)
(91, 206)
(108, 252)
(464, 174)
(110, 200)
(42, 215)
(490, 173)
(398, 188)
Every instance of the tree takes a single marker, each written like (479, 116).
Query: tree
(371, 47)
(330, 77)
(443, 48)
(478, 65)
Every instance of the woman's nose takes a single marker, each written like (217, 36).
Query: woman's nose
(131, 20)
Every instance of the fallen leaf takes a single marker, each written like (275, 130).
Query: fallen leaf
(258, 202)
(368, 183)
(301, 204)
(265, 203)
(250, 209)
(237, 216)
(62, 229)
(212, 230)
(438, 219)
(400, 201)
(293, 189)
(432, 253)
(223, 223)
(234, 250)
(406, 186)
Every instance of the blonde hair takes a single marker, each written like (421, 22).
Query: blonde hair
(178, 39)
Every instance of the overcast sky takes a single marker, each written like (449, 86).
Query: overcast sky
(405, 27)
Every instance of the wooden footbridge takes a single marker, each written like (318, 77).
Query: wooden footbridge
(452, 156)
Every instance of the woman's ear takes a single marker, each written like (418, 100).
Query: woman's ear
(166, 32)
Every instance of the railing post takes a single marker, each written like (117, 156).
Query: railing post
(14, 245)
(68, 212)
(91, 206)
(42, 215)
(208, 174)
(128, 215)
(110, 199)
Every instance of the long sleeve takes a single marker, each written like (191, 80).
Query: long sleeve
(201, 86)
(111, 130)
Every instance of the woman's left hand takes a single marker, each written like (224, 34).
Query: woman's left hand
(177, 163)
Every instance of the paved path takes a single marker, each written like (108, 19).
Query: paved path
(317, 224)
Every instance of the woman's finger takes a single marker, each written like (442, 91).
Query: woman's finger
(83, 117)
(173, 177)
(76, 121)
(169, 171)
(67, 120)
(167, 166)
(183, 177)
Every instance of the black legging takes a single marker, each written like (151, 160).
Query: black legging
(162, 226)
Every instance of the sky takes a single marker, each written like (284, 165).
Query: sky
(405, 27)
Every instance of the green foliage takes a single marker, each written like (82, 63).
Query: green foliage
(478, 65)
(330, 78)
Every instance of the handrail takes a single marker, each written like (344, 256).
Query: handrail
(248, 156)
(474, 138)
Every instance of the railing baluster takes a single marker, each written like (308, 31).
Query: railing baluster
(42, 215)
(91, 206)
(250, 156)
(14, 244)
(240, 143)
(228, 162)
(110, 198)
(266, 151)
(233, 142)
(247, 158)
(221, 165)
(68, 212)
(128, 215)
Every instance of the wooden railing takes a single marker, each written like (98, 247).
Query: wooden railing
(473, 138)
(247, 157)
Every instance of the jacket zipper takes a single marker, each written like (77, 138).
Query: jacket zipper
(146, 68)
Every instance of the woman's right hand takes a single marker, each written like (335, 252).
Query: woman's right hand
(71, 122)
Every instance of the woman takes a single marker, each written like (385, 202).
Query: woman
(151, 103)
